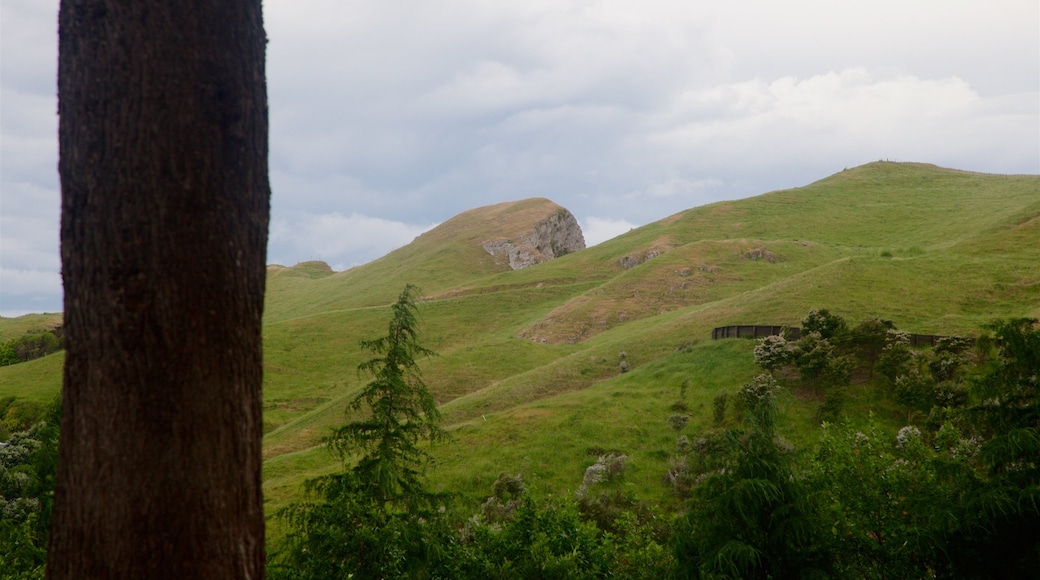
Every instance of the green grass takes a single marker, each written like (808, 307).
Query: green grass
(36, 381)
(16, 327)
(528, 376)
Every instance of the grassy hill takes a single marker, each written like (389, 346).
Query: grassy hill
(528, 376)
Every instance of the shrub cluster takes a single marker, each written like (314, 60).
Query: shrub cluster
(32, 345)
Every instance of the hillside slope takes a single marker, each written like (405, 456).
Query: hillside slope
(528, 374)
(885, 239)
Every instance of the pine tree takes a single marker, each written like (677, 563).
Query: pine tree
(376, 520)
(401, 413)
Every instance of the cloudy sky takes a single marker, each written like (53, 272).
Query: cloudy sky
(390, 116)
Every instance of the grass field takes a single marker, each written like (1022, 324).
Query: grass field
(528, 376)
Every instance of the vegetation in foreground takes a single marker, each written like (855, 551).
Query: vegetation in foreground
(28, 464)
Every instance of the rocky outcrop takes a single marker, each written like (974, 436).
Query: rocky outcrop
(633, 260)
(555, 236)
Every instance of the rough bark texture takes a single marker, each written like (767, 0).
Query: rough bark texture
(165, 204)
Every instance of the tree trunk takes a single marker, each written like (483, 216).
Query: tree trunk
(165, 205)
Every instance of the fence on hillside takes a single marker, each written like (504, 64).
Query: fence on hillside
(794, 333)
(755, 331)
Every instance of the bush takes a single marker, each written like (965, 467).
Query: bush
(820, 363)
(344, 535)
(719, 408)
(32, 345)
(28, 463)
(896, 356)
(541, 540)
(827, 325)
(773, 352)
(762, 387)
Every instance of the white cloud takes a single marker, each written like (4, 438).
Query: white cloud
(30, 282)
(598, 230)
(622, 109)
(26, 291)
(341, 240)
(677, 187)
(853, 115)
(29, 220)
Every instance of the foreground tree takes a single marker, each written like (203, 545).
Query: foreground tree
(752, 516)
(165, 205)
(997, 531)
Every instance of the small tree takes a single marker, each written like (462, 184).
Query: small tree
(830, 326)
(868, 340)
(949, 355)
(402, 412)
(773, 352)
(820, 363)
(896, 357)
(375, 521)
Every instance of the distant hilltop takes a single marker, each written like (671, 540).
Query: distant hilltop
(557, 234)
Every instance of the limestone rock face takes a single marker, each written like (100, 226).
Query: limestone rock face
(555, 236)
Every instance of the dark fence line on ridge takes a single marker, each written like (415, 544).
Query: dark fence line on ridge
(795, 333)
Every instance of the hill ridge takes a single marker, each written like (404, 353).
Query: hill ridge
(937, 251)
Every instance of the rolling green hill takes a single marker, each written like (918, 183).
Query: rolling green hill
(528, 376)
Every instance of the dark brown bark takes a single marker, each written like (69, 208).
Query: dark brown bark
(165, 204)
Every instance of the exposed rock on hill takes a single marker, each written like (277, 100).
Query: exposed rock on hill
(556, 235)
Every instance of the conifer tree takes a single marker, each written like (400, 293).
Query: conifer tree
(376, 519)
(401, 412)
(997, 533)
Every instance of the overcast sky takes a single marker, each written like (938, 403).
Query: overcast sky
(390, 116)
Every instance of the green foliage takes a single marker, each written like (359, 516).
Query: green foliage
(915, 391)
(718, 408)
(773, 352)
(896, 356)
(527, 375)
(886, 504)
(762, 390)
(678, 421)
(604, 535)
(32, 345)
(341, 534)
(820, 362)
(541, 540)
(507, 492)
(8, 356)
(18, 415)
(822, 322)
(401, 413)
(949, 355)
(680, 405)
(833, 405)
(868, 340)
(28, 463)
(607, 468)
(376, 520)
(996, 533)
(753, 517)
